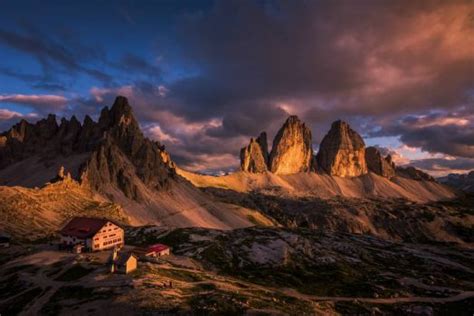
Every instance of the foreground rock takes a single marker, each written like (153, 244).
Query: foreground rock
(377, 164)
(254, 157)
(292, 150)
(342, 152)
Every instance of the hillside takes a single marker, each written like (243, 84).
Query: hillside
(325, 186)
(112, 160)
(36, 213)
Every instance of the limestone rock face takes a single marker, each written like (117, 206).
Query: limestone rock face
(117, 153)
(292, 150)
(342, 152)
(378, 164)
(124, 153)
(254, 157)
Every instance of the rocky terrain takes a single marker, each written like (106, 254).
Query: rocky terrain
(464, 182)
(112, 159)
(264, 271)
(33, 214)
(312, 184)
(345, 231)
(390, 219)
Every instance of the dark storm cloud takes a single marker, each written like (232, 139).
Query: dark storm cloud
(338, 59)
(436, 133)
(443, 165)
(138, 65)
(370, 63)
(54, 54)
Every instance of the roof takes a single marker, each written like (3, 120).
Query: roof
(83, 227)
(123, 257)
(141, 251)
(157, 247)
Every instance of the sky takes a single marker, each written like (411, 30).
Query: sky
(205, 76)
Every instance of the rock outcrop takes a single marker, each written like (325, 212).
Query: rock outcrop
(342, 152)
(124, 152)
(254, 157)
(413, 173)
(114, 151)
(292, 150)
(378, 164)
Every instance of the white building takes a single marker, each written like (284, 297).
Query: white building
(93, 233)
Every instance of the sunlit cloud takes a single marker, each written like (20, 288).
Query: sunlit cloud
(35, 100)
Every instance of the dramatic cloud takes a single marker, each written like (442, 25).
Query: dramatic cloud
(50, 101)
(52, 53)
(450, 134)
(444, 166)
(205, 79)
(7, 114)
(8, 118)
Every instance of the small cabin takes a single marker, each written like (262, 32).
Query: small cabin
(124, 262)
(156, 250)
(92, 233)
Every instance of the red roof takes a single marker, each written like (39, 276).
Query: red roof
(157, 247)
(83, 227)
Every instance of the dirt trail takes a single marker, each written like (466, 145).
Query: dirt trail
(392, 300)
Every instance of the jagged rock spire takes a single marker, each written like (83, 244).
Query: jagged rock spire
(254, 157)
(378, 164)
(292, 150)
(342, 152)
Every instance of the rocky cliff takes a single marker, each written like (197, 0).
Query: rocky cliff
(413, 173)
(342, 152)
(376, 163)
(110, 150)
(254, 157)
(292, 150)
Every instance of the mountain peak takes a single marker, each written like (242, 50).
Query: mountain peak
(292, 150)
(121, 114)
(342, 151)
(254, 157)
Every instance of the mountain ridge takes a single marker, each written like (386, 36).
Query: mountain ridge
(112, 158)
